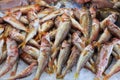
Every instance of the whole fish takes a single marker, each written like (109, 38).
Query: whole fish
(15, 23)
(26, 72)
(84, 57)
(114, 29)
(62, 32)
(44, 55)
(34, 52)
(103, 59)
(63, 56)
(12, 56)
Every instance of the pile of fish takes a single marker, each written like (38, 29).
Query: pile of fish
(55, 40)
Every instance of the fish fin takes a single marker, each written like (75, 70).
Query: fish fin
(98, 78)
(88, 41)
(55, 68)
(58, 76)
(50, 70)
(40, 34)
(53, 49)
(106, 78)
(27, 30)
(22, 44)
(76, 76)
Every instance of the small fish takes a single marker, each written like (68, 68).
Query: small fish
(33, 31)
(44, 13)
(115, 68)
(111, 18)
(95, 30)
(44, 55)
(34, 52)
(114, 29)
(25, 9)
(62, 32)
(84, 57)
(72, 60)
(26, 72)
(27, 58)
(24, 20)
(106, 35)
(86, 21)
(103, 59)
(15, 23)
(63, 56)
(51, 15)
(12, 56)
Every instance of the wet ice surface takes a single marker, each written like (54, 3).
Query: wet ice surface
(84, 74)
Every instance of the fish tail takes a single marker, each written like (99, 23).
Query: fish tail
(22, 44)
(50, 68)
(27, 30)
(106, 77)
(76, 75)
(98, 78)
(59, 76)
(93, 68)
